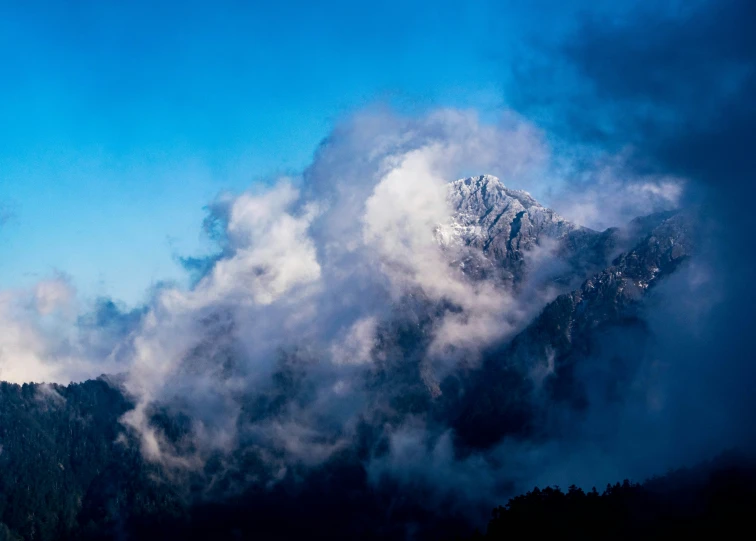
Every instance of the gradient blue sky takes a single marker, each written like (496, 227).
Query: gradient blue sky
(120, 121)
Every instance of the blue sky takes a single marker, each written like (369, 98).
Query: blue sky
(120, 121)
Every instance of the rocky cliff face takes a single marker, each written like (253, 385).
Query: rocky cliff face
(500, 221)
(505, 232)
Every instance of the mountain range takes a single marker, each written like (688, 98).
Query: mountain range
(70, 468)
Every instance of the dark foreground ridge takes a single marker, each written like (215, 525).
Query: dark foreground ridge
(715, 500)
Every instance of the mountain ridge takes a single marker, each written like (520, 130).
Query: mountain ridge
(70, 469)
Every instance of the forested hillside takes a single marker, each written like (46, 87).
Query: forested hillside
(67, 471)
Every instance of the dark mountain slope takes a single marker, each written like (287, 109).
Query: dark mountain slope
(501, 397)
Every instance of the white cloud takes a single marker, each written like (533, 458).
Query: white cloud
(53, 294)
(357, 346)
(608, 193)
(311, 267)
(39, 341)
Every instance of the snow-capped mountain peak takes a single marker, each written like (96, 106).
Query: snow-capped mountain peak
(497, 226)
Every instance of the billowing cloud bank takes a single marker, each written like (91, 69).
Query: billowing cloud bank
(317, 282)
(310, 268)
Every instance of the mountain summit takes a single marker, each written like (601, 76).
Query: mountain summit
(499, 232)
(499, 220)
